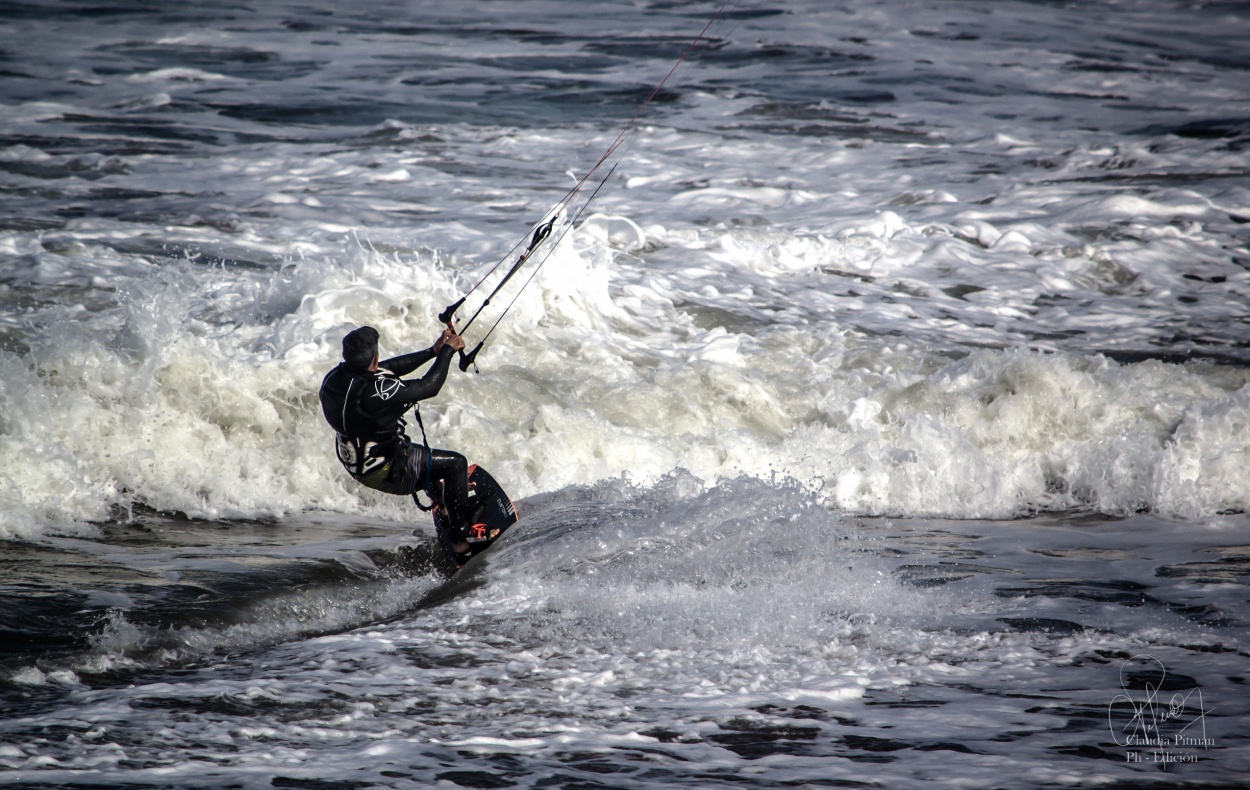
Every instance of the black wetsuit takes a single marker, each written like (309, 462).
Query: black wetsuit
(366, 410)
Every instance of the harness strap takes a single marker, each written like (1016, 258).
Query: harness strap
(417, 501)
(429, 457)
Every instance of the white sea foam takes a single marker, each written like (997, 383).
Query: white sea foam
(197, 393)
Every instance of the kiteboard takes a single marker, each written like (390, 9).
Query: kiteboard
(492, 509)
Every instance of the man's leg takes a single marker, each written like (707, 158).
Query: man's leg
(453, 470)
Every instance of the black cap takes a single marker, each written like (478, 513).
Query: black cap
(359, 347)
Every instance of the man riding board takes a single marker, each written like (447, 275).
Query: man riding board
(365, 401)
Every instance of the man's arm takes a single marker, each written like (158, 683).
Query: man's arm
(406, 363)
(428, 385)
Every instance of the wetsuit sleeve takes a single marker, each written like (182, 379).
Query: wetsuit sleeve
(385, 398)
(428, 385)
(405, 364)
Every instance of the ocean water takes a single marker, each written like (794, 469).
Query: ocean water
(883, 422)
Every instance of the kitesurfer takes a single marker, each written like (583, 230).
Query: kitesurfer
(365, 401)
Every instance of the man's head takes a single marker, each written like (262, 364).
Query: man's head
(360, 346)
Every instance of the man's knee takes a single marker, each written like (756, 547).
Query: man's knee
(446, 462)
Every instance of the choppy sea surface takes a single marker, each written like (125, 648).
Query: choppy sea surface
(884, 421)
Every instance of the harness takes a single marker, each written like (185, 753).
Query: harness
(372, 462)
(368, 462)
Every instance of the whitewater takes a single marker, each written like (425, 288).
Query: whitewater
(884, 421)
